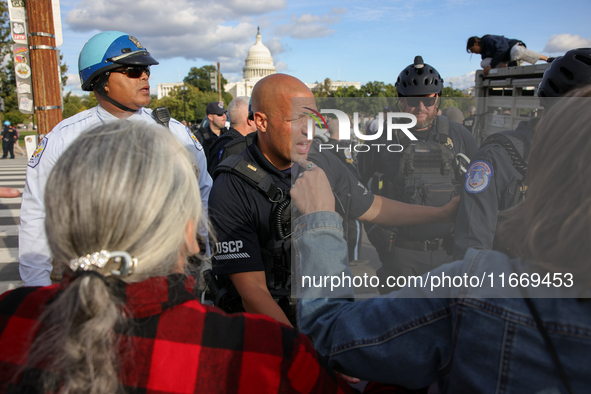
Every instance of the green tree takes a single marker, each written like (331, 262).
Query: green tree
(63, 69)
(374, 89)
(72, 105)
(194, 104)
(451, 92)
(455, 98)
(199, 78)
(323, 89)
(89, 100)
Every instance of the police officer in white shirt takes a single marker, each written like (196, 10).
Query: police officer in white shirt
(116, 67)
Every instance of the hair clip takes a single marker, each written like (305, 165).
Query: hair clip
(99, 260)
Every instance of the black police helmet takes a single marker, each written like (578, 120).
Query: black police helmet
(565, 73)
(419, 79)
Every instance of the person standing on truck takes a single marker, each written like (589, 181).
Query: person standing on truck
(496, 180)
(498, 51)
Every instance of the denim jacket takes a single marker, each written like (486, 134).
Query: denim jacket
(467, 344)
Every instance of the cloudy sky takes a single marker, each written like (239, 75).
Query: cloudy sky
(313, 40)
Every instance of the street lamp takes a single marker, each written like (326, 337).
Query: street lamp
(184, 92)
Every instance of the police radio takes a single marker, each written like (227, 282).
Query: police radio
(161, 115)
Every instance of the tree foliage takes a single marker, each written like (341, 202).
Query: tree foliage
(455, 98)
(370, 89)
(74, 104)
(192, 108)
(199, 78)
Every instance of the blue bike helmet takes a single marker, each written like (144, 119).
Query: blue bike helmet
(107, 51)
(6, 123)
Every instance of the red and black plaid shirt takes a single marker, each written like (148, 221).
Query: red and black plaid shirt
(180, 345)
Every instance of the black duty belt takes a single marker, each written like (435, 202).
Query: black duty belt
(431, 244)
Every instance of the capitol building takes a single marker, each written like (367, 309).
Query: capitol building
(258, 64)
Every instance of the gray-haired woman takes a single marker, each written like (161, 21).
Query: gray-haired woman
(123, 207)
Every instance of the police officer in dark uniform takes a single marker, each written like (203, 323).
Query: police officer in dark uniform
(426, 172)
(9, 136)
(216, 116)
(496, 180)
(249, 195)
(240, 126)
(470, 121)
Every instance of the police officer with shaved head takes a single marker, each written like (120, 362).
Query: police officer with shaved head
(250, 204)
(116, 67)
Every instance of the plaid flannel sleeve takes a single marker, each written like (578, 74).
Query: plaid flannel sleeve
(188, 348)
(213, 352)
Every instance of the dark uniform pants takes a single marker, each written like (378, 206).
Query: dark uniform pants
(7, 147)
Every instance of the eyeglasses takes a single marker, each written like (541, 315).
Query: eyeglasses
(416, 101)
(134, 72)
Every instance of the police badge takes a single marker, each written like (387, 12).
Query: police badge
(135, 41)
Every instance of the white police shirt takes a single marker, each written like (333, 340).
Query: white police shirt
(34, 255)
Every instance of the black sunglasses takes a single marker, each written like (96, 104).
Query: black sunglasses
(134, 72)
(416, 101)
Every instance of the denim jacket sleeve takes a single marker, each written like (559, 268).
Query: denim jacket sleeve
(390, 340)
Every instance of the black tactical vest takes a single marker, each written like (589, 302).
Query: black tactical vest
(428, 174)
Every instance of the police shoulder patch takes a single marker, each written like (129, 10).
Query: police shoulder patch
(348, 154)
(479, 176)
(36, 157)
(195, 141)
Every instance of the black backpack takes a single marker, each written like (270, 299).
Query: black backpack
(237, 146)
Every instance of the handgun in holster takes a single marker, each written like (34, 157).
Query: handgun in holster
(225, 295)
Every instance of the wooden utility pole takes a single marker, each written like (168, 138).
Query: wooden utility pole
(44, 65)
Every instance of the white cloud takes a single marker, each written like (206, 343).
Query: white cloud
(461, 82)
(191, 29)
(309, 26)
(73, 80)
(255, 7)
(387, 13)
(560, 43)
(275, 46)
(280, 66)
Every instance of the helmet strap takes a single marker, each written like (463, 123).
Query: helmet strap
(99, 87)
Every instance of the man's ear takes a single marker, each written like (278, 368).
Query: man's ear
(260, 120)
(191, 239)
